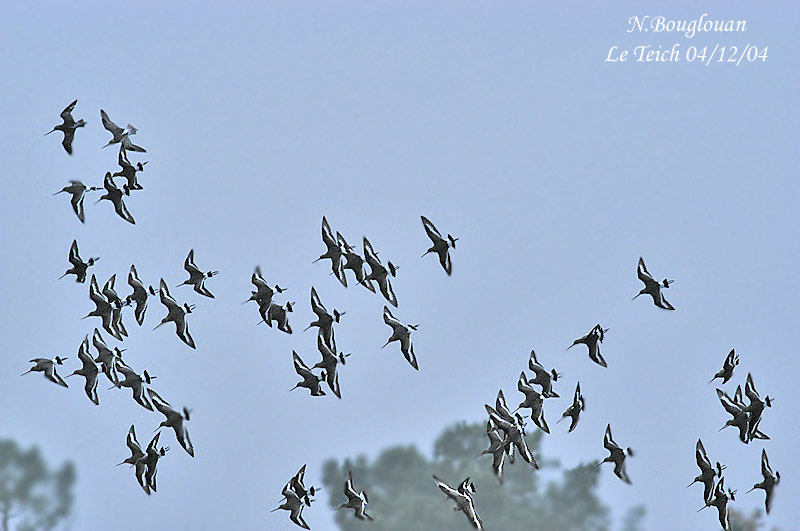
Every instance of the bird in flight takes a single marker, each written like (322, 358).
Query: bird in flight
(68, 126)
(652, 287)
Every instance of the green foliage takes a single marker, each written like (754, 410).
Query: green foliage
(403, 496)
(32, 497)
(741, 522)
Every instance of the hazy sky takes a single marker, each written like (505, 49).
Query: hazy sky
(505, 127)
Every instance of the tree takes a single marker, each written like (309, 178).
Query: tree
(403, 496)
(741, 522)
(32, 497)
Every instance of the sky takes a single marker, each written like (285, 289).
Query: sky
(504, 125)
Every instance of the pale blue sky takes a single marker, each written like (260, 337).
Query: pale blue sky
(504, 126)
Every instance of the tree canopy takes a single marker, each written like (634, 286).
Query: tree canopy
(32, 497)
(403, 496)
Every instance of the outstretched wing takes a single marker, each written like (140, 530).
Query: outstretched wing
(110, 126)
(66, 114)
(74, 257)
(431, 230)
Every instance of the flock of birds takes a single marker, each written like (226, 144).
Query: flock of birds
(505, 429)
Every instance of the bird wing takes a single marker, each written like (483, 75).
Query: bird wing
(300, 367)
(110, 126)
(370, 256)
(327, 234)
(189, 265)
(726, 401)
(390, 319)
(447, 489)
(387, 291)
(702, 457)
(644, 275)
(766, 470)
(608, 441)
(431, 230)
(162, 405)
(133, 444)
(472, 514)
(74, 257)
(502, 408)
(729, 360)
(153, 443)
(444, 259)
(69, 136)
(407, 348)
(66, 114)
(166, 298)
(316, 305)
(349, 489)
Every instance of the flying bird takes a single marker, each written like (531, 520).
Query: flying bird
(77, 190)
(79, 267)
(88, 370)
(310, 380)
(324, 319)
(356, 500)
(134, 447)
(440, 245)
(116, 306)
(378, 273)
(197, 277)
(533, 401)
(463, 498)
(707, 472)
(279, 314)
(498, 448)
(103, 309)
(616, 455)
(770, 480)
(48, 367)
(592, 340)
(736, 410)
(68, 126)
(328, 365)
(294, 505)
(574, 409)
(114, 195)
(120, 135)
(730, 363)
(174, 420)
(297, 484)
(354, 262)
(135, 383)
(264, 292)
(139, 294)
(175, 313)
(720, 500)
(333, 252)
(128, 172)
(401, 333)
(514, 432)
(150, 462)
(542, 377)
(652, 287)
(755, 409)
(106, 357)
